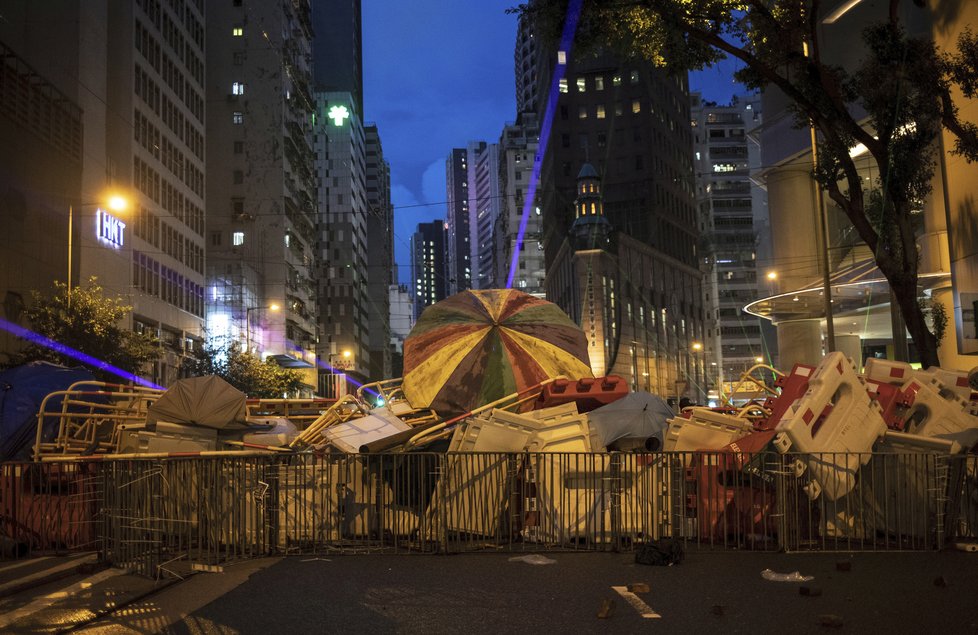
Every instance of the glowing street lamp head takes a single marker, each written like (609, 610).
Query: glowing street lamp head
(117, 203)
(772, 275)
(338, 114)
(697, 346)
(347, 354)
(274, 307)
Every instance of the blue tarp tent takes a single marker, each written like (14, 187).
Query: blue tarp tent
(22, 389)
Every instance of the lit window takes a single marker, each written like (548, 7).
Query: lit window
(616, 80)
(600, 113)
(636, 106)
(237, 88)
(563, 85)
(237, 31)
(581, 85)
(633, 77)
(237, 238)
(237, 117)
(599, 83)
(582, 112)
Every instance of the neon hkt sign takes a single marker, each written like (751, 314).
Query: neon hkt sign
(109, 229)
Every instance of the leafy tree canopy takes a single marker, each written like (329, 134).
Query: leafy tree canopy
(894, 100)
(88, 321)
(243, 370)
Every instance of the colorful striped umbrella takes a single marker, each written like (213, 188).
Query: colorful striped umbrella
(478, 346)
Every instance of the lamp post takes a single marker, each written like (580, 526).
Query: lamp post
(697, 377)
(115, 202)
(271, 307)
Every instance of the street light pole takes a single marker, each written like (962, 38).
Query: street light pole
(71, 214)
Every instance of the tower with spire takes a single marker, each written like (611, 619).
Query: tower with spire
(590, 229)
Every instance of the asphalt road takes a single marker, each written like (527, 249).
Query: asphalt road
(488, 593)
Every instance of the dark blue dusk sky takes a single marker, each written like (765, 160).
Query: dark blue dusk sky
(438, 74)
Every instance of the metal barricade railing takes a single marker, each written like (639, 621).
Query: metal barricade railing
(146, 514)
(47, 507)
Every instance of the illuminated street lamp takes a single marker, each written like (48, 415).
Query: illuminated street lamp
(271, 307)
(116, 203)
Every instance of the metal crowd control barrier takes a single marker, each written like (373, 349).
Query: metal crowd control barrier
(144, 514)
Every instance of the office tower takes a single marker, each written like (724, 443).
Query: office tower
(380, 254)
(428, 264)
(485, 202)
(733, 221)
(517, 147)
(344, 212)
(261, 190)
(458, 258)
(126, 81)
(630, 122)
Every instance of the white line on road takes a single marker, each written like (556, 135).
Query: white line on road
(46, 601)
(643, 609)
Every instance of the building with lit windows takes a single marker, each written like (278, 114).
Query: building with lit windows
(428, 264)
(261, 192)
(132, 120)
(343, 217)
(630, 121)
(517, 146)
(458, 257)
(736, 236)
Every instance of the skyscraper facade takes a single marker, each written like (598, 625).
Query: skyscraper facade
(380, 254)
(458, 259)
(261, 222)
(428, 264)
(733, 213)
(135, 72)
(518, 145)
(484, 204)
(344, 213)
(630, 122)
(338, 48)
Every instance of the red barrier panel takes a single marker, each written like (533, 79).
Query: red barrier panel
(588, 393)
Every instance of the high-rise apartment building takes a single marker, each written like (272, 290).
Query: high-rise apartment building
(344, 213)
(458, 258)
(380, 254)
(261, 192)
(733, 222)
(135, 71)
(630, 121)
(517, 147)
(485, 204)
(428, 264)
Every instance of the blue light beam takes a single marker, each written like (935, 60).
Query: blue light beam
(566, 42)
(68, 351)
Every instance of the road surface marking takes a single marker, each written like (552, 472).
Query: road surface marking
(643, 609)
(46, 601)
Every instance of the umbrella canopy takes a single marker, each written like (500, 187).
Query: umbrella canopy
(207, 401)
(637, 415)
(478, 346)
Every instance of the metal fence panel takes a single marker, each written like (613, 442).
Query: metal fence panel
(146, 514)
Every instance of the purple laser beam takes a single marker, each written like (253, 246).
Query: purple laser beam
(68, 351)
(566, 42)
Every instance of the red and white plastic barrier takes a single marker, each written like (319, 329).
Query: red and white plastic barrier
(853, 425)
(934, 412)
